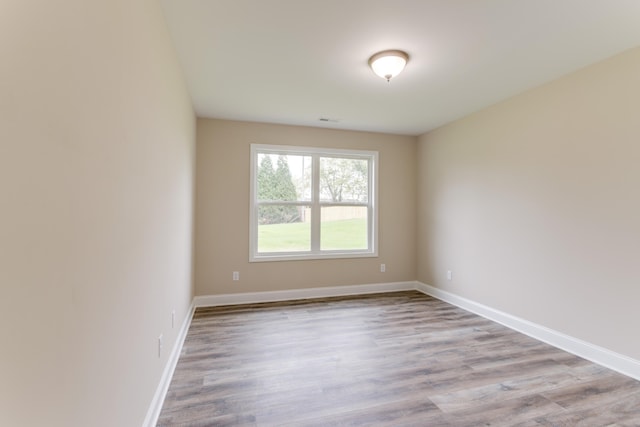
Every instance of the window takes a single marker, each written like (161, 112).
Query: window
(311, 203)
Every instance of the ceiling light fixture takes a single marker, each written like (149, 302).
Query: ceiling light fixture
(388, 63)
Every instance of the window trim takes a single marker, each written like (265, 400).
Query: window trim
(315, 203)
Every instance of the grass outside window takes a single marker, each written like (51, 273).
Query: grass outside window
(342, 234)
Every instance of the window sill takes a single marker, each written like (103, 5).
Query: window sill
(308, 257)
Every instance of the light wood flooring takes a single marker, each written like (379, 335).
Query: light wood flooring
(396, 359)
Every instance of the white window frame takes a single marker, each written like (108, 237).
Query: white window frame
(316, 204)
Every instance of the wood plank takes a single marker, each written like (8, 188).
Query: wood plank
(395, 359)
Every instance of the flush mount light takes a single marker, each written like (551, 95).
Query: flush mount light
(388, 63)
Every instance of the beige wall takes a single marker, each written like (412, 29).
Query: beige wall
(534, 205)
(97, 139)
(222, 210)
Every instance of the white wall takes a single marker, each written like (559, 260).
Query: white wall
(534, 205)
(97, 147)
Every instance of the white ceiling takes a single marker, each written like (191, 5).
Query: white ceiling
(296, 61)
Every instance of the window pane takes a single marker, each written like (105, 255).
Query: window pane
(312, 203)
(344, 180)
(283, 177)
(343, 227)
(283, 228)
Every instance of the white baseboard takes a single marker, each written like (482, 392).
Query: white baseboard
(296, 294)
(161, 391)
(600, 355)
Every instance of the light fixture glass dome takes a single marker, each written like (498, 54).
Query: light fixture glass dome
(389, 63)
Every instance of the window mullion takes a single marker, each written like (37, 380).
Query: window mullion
(315, 203)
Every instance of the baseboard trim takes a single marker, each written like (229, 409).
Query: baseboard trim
(297, 294)
(151, 420)
(600, 355)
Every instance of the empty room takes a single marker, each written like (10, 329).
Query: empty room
(337, 213)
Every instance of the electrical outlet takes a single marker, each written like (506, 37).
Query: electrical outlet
(383, 268)
(236, 275)
(160, 345)
(449, 275)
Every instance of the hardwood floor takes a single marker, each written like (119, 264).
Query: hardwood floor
(397, 359)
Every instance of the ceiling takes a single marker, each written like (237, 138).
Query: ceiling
(298, 61)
